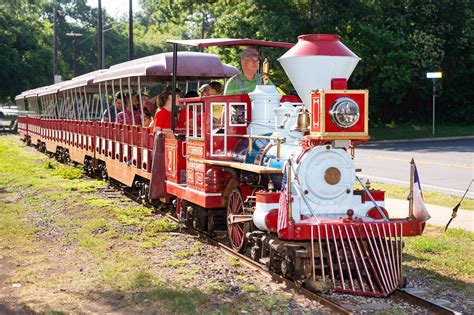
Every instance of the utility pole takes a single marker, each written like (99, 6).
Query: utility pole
(56, 77)
(74, 35)
(100, 37)
(130, 31)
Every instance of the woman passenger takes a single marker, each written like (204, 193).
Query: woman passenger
(163, 113)
(147, 118)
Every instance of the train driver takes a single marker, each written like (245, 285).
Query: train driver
(248, 79)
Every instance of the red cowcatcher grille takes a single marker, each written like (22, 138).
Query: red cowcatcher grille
(359, 258)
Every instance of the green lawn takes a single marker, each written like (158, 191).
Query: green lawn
(443, 258)
(393, 131)
(431, 197)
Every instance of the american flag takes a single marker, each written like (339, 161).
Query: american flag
(283, 209)
(419, 210)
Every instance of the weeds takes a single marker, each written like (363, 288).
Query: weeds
(250, 288)
(195, 249)
(173, 263)
(216, 287)
(69, 172)
(233, 261)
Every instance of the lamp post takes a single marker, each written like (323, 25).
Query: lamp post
(433, 76)
(74, 35)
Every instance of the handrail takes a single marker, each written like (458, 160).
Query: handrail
(279, 141)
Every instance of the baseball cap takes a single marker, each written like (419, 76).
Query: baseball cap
(249, 52)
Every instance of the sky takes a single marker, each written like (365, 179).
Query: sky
(115, 8)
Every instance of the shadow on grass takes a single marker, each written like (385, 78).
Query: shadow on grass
(26, 310)
(153, 300)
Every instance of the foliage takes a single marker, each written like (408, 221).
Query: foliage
(398, 42)
(24, 47)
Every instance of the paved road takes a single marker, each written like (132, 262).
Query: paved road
(443, 165)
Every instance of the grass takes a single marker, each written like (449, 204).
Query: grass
(233, 261)
(216, 287)
(124, 271)
(449, 254)
(194, 250)
(98, 202)
(270, 302)
(176, 300)
(189, 272)
(142, 217)
(14, 232)
(431, 197)
(394, 131)
(443, 259)
(174, 263)
(39, 196)
(250, 288)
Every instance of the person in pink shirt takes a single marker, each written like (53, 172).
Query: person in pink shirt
(126, 117)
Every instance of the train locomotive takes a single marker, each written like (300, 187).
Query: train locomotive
(275, 171)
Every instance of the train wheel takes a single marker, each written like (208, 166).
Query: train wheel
(237, 231)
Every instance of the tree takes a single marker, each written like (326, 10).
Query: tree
(24, 48)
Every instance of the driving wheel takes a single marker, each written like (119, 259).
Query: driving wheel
(237, 231)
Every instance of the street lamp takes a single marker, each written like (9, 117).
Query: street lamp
(74, 35)
(433, 76)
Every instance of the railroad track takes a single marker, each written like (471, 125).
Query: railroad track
(399, 296)
(432, 307)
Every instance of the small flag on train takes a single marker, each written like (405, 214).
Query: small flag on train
(283, 209)
(419, 209)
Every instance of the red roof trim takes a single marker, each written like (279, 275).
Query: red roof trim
(229, 42)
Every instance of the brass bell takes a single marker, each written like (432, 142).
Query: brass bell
(302, 121)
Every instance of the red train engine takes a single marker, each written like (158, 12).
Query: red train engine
(287, 176)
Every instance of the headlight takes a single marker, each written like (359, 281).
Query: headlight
(344, 112)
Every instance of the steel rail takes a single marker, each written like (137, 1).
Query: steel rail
(433, 308)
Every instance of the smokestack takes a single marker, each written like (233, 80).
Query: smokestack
(315, 60)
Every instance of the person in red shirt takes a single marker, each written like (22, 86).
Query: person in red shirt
(163, 113)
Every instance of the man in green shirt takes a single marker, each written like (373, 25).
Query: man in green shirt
(248, 79)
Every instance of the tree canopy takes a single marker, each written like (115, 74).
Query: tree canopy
(398, 41)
